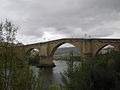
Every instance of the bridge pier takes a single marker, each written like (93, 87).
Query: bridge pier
(46, 61)
(88, 56)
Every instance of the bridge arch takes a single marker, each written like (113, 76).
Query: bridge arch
(103, 46)
(28, 51)
(33, 55)
(55, 47)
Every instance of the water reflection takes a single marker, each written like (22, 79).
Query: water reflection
(51, 75)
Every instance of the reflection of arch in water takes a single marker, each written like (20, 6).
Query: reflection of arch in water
(109, 46)
(59, 45)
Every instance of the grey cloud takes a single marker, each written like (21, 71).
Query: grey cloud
(102, 32)
(72, 18)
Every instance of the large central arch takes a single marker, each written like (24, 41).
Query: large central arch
(60, 44)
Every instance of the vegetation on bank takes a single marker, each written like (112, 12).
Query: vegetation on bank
(102, 73)
(14, 75)
(34, 59)
(66, 58)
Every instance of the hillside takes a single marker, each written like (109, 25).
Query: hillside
(65, 51)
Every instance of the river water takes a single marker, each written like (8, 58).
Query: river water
(51, 75)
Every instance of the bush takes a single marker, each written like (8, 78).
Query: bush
(13, 77)
(102, 73)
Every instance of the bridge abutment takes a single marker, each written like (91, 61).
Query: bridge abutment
(87, 49)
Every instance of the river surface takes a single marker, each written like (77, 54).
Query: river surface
(51, 75)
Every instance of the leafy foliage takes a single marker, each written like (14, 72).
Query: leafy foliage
(34, 59)
(14, 74)
(102, 73)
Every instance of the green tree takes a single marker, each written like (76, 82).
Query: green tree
(102, 73)
(13, 77)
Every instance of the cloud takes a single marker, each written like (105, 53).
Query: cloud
(37, 19)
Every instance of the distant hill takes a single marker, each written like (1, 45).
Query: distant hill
(63, 53)
(66, 50)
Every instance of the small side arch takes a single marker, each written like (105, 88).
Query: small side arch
(28, 52)
(103, 47)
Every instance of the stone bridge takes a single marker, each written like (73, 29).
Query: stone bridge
(88, 48)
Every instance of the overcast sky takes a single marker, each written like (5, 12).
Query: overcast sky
(42, 20)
